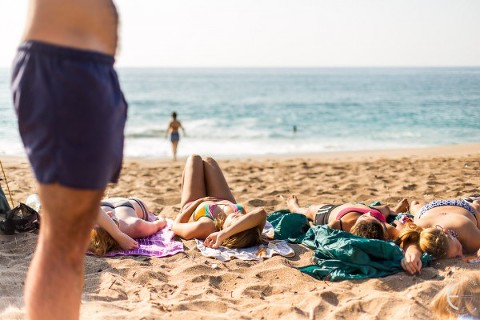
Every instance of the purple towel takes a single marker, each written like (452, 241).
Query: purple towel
(160, 244)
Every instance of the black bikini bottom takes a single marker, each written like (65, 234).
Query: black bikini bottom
(323, 214)
(126, 203)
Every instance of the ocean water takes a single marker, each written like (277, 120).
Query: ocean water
(247, 112)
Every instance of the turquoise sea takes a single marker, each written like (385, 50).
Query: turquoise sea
(245, 112)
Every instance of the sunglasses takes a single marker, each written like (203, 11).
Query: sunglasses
(452, 234)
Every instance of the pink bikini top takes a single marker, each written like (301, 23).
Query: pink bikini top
(374, 212)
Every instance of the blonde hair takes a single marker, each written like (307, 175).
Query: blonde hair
(244, 239)
(431, 240)
(101, 242)
(370, 230)
(459, 298)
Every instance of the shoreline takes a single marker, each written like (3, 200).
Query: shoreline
(456, 150)
(453, 150)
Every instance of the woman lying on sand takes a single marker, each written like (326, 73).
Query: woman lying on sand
(120, 221)
(210, 205)
(356, 218)
(445, 228)
(364, 221)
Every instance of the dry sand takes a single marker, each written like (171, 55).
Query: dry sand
(185, 286)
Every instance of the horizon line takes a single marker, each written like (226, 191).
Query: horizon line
(290, 67)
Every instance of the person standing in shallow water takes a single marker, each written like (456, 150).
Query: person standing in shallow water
(173, 128)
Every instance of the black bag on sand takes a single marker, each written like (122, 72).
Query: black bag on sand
(22, 218)
(4, 206)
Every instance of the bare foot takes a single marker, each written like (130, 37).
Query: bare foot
(292, 203)
(402, 206)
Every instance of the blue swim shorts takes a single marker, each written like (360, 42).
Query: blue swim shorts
(174, 136)
(71, 114)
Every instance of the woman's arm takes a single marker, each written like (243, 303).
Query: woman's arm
(255, 218)
(105, 222)
(183, 130)
(198, 229)
(412, 262)
(168, 129)
(184, 217)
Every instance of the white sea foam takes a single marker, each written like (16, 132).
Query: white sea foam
(243, 112)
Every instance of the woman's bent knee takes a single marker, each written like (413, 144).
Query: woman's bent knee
(194, 157)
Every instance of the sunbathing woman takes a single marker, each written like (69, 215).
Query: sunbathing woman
(210, 212)
(356, 218)
(119, 222)
(364, 221)
(445, 228)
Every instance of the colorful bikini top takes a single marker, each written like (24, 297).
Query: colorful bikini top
(208, 209)
(373, 212)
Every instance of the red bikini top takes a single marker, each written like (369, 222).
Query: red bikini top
(373, 212)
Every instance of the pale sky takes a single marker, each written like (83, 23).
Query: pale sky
(283, 33)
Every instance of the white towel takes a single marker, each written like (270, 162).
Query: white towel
(259, 252)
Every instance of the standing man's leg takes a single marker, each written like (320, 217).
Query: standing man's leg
(71, 116)
(72, 127)
(54, 282)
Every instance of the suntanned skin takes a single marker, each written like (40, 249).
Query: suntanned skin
(174, 126)
(203, 181)
(86, 24)
(348, 220)
(454, 218)
(55, 279)
(412, 257)
(130, 223)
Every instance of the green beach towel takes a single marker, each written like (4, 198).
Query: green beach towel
(289, 226)
(340, 255)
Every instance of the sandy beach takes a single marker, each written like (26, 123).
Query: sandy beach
(186, 286)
